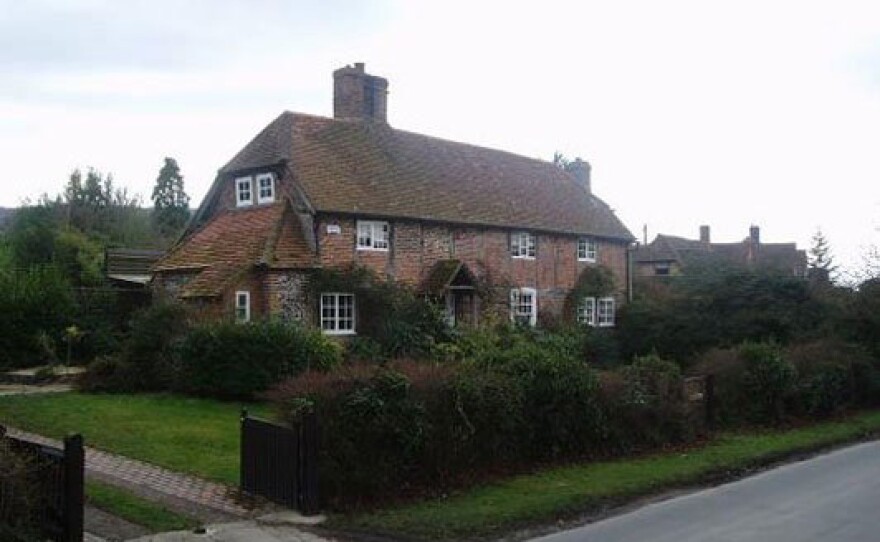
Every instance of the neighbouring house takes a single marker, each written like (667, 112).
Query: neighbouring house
(668, 255)
(449, 219)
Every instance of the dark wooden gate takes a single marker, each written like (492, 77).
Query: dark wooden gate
(57, 477)
(280, 463)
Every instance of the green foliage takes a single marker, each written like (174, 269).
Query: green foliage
(594, 281)
(408, 325)
(864, 316)
(231, 360)
(170, 201)
(82, 258)
(35, 303)
(719, 309)
(31, 236)
(769, 379)
(821, 261)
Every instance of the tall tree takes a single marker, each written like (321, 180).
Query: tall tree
(821, 262)
(170, 201)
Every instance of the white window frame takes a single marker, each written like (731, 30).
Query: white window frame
(587, 248)
(586, 311)
(373, 235)
(240, 189)
(523, 245)
(239, 306)
(605, 312)
(329, 316)
(258, 185)
(516, 305)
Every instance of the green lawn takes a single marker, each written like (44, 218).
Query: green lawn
(196, 436)
(130, 507)
(564, 492)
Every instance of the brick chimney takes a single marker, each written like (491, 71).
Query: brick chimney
(755, 235)
(704, 235)
(580, 170)
(359, 95)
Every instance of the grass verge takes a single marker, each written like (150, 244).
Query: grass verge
(569, 491)
(130, 507)
(196, 436)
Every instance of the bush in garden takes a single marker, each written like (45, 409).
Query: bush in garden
(232, 360)
(19, 478)
(768, 380)
(146, 362)
(832, 375)
(35, 306)
(644, 404)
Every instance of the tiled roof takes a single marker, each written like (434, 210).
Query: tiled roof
(233, 242)
(668, 248)
(369, 168)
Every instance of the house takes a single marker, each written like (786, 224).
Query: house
(311, 192)
(668, 255)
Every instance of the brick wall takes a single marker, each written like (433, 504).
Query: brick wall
(417, 246)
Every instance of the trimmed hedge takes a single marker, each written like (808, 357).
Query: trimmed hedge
(410, 428)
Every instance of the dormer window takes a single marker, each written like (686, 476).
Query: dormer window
(265, 188)
(586, 249)
(244, 192)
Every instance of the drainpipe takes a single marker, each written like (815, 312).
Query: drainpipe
(630, 250)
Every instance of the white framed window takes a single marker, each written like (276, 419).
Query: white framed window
(586, 311)
(586, 249)
(524, 306)
(605, 312)
(337, 313)
(242, 306)
(244, 191)
(522, 244)
(265, 188)
(372, 235)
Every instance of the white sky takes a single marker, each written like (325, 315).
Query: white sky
(720, 113)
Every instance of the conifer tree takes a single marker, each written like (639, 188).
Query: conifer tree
(170, 201)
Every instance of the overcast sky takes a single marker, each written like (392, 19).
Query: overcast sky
(720, 113)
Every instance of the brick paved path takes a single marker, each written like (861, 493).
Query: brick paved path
(205, 500)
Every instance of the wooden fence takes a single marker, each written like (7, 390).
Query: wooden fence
(50, 492)
(281, 463)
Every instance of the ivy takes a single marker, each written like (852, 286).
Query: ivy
(595, 281)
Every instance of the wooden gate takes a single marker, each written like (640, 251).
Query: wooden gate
(280, 463)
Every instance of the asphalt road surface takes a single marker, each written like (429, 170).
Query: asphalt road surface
(830, 498)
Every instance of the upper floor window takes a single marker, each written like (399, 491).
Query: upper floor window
(522, 244)
(244, 191)
(586, 249)
(524, 306)
(372, 235)
(337, 313)
(265, 188)
(242, 306)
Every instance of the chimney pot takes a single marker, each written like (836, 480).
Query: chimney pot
(580, 170)
(755, 234)
(704, 235)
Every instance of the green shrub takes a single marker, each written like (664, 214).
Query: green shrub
(22, 505)
(769, 379)
(35, 306)
(230, 360)
(644, 405)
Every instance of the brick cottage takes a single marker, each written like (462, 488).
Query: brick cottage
(310, 192)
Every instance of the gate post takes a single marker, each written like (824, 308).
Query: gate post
(309, 464)
(74, 488)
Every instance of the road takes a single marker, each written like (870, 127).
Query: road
(830, 498)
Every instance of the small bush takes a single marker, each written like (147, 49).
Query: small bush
(230, 360)
(769, 379)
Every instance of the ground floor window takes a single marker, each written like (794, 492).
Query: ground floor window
(524, 306)
(337, 313)
(596, 311)
(242, 306)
